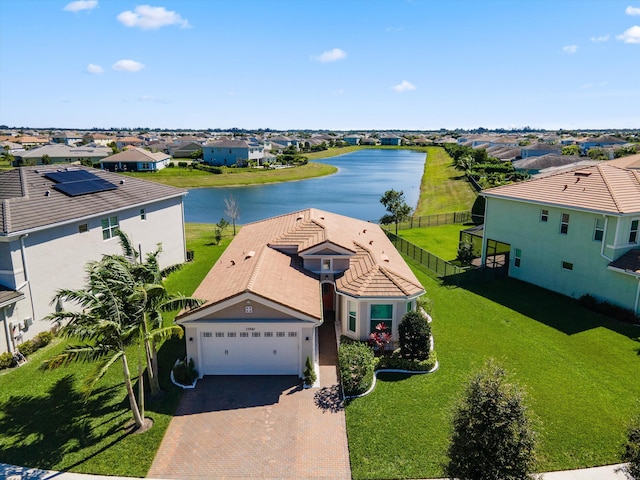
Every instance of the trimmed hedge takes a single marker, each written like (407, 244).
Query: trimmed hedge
(26, 348)
(398, 363)
(609, 309)
(356, 367)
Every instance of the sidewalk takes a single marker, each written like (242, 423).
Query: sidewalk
(12, 472)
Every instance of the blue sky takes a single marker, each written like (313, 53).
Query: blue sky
(320, 64)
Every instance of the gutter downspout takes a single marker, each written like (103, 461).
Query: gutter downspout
(7, 333)
(635, 308)
(26, 274)
(604, 239)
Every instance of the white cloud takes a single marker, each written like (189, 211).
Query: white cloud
(403, 87)
(570, 49)
(601, 38)
(394, 29)
(632, 10)
(331, 56)
(127, 66)
(95, 69)
(147, 17)
(630, 35)
(79, 5)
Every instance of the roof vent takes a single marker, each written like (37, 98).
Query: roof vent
(364, 231)
(122, 182)
(47, 193)
(300, 217)
(232, 263)
(384, 257)
(370, 242)
(249, 254)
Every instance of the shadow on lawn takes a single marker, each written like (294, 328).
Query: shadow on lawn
(552, 309)
(46, 428)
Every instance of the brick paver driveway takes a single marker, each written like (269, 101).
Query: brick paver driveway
(257, 427)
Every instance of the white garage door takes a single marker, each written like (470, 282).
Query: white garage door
(268, 351)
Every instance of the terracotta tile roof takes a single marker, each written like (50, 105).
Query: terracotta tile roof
(629, 262)
(602, 188)
(135, 154)
(263, 260)
(631, 161)
(26, 205)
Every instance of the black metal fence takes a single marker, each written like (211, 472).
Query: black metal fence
(446, 270)
(435, 220)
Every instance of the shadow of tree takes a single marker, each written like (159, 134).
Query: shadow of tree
(43, 429)
(329, 399)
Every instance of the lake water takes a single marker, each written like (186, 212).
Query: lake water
(355, 190)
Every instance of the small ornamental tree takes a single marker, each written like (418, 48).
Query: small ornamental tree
(398, 209)
(492, 433)
(415, 336)
(380, 337)
(631, 453)
(309, 373)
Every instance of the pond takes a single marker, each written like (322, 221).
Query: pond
(355, 190)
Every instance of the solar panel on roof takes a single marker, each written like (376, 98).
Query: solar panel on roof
(73, 189)
(79, 182)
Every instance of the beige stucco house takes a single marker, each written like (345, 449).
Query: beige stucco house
(54, 220)
(281, 278)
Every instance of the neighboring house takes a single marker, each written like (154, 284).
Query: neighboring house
(232, 152)
(67, 138)
(605, 141)
(184, 149)
(12, 148)
(136, 160)
(539, 149)
(533, 165)
(62, 153)
(352, 139)
(124, 142)
(100, 139)
(53, 221)
(369, 141)
(576, 232)
(28, 141)
(280, 278)
(390, 140)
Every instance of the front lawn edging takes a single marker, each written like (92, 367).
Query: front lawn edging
(390, 370)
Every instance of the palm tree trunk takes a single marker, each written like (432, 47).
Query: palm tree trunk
(152, 369)
(137, 418)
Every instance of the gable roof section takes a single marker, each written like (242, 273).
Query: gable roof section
(263, 260)
(27, 206)
(603, 188)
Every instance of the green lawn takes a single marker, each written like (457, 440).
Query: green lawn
(579, 369)
(443, 188)
(45, 422)
(190, 178)
(441, 240)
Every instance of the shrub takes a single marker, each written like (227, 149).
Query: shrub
(6, 360)
(415, 336)
(492, 433)
(42, 339)
(631, 453)
(398, 363)
(356, 367)
(171, 165)
(183, 164)
(185, 372)
(609, 309)
(27, 347)
(309, 373)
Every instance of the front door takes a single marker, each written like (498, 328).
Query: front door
(328, 294)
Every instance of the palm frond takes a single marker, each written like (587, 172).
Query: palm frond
(127, 245)
(161, 334)
(99, 372)
(77, 353)
(179, 303)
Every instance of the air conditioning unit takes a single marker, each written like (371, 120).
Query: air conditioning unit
(27, 323)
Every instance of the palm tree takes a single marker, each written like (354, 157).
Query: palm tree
(107, 325)
(152, 293)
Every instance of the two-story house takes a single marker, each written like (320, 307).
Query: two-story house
(232, 152)
(575, 232)
(281, 278)
(54, 220)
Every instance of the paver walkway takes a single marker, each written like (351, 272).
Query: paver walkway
(258, 427)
